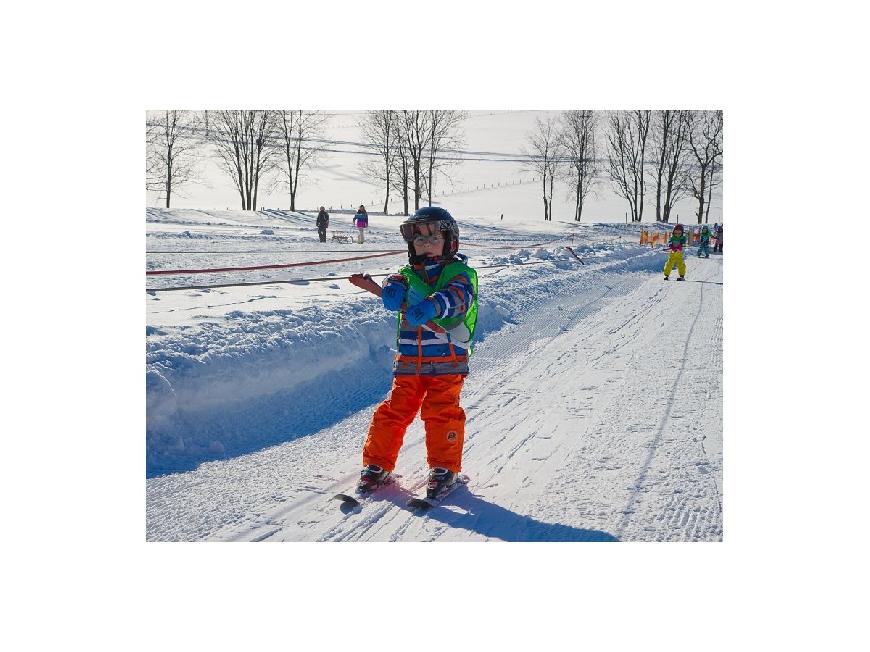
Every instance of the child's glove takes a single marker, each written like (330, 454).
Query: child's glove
(392, 296)
(421, 313)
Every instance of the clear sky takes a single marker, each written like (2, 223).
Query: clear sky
(487, 187)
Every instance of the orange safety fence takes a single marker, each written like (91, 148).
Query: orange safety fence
(654, 238)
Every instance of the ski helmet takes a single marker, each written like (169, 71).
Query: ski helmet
(441, 219)
(678, 227)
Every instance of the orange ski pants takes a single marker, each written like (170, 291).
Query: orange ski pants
(444, 421)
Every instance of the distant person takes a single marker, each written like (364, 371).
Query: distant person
(361, 222)
(718, 247)
(704, 247)
(502, 216)
(322, 223)
(675, 246)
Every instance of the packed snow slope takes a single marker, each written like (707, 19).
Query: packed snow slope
(594, 403)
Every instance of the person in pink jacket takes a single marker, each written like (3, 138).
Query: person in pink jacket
(361, 222)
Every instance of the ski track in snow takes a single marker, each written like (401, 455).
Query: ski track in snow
(596, 416)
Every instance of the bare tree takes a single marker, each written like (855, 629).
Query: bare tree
(443, 134)
(171, 150)
(244, 141)
(669, 146)
(402, 165)
(627, 138)
(415, 127)
(713, 183)
(705, 144)
(381, 132)
(554, 168)
(578, 144)
(544, 150)
(299, 132)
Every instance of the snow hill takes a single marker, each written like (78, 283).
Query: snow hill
(594, 404)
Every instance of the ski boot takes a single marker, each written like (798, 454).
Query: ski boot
(440, 482)
(682, 278)
(667, 278)
(371, 478)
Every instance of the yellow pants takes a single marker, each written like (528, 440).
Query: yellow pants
(675, 259)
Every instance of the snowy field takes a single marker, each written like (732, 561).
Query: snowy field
(594, 403)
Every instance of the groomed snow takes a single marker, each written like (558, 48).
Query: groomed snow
(594, 404)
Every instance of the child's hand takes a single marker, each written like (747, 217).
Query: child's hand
(421, 313)
(392, 296)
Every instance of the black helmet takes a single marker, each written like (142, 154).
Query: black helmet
(431, 215)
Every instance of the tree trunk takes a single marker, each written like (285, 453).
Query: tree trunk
(668, 191)
(551, 196)
(418, 193)
(544, 190)
(578, 206)
(387, 198)
(659, 201)
(710, 192)
(294, 181)
(168, 175)
(168, 185)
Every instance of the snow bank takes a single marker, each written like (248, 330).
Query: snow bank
(257, 378)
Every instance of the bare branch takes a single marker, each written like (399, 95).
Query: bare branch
(544, 152)
(297, 131)
(578, 140)
(172, 151)
(444, 133)
(705, 143)
(626, 140)
(245, 144)
(380, 130)
(669, 148)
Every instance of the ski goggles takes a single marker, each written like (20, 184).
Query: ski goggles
(409, 235)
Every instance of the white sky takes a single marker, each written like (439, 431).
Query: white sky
(489, 188)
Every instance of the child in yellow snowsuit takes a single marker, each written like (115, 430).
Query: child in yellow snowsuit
(675, 259)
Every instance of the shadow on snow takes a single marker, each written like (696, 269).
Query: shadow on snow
(494, 521)
(238, 429)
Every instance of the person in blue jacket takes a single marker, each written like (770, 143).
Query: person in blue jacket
(704, 247)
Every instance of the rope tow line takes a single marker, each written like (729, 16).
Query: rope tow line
(163, 272)
(299, 281)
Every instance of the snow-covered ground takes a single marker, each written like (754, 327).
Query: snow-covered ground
(594, 404)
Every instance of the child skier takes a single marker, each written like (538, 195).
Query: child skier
(436, 300)
(705, 242)
(675, 245)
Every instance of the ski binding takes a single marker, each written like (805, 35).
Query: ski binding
(424, 504)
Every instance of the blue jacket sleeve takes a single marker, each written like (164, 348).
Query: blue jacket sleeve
(454, 299)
